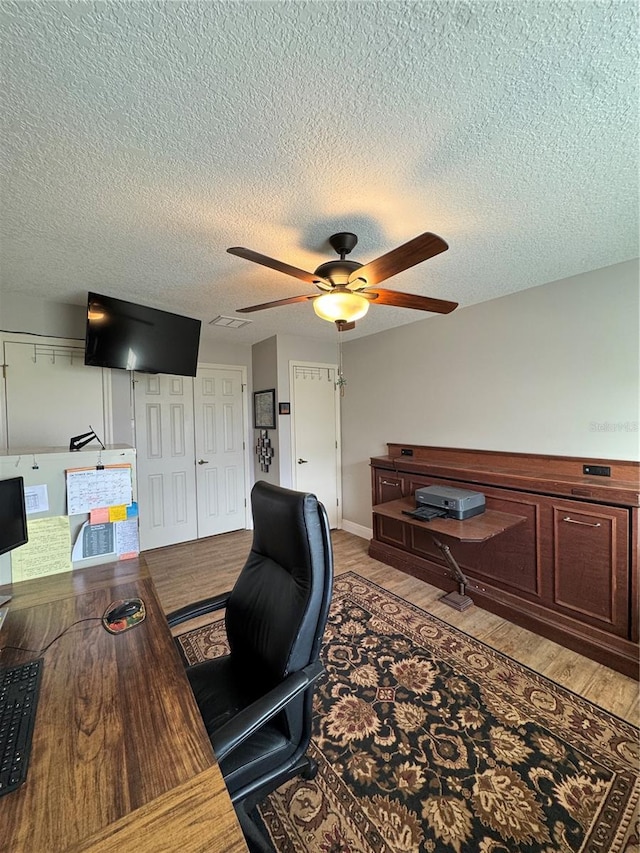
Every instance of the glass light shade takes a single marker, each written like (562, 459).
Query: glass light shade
(341, 305)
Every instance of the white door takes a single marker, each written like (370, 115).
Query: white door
(315, 413)
(164, 420)
(219, 433)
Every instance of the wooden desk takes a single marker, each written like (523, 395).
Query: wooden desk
(478, 528)
(120, 756)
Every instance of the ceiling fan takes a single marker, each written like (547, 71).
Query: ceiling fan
(348, 287)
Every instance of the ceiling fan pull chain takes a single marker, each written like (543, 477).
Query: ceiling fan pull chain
(340, 381)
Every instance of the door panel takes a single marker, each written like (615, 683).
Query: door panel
(220, 452)
(165, 455)
(315, 434)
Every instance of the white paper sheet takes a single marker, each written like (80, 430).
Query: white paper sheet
(91, 488)
(36, 499)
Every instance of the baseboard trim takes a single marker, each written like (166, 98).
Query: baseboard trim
(357, 529)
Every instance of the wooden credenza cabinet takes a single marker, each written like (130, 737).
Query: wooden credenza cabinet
(568, 572)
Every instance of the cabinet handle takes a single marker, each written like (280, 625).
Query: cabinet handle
(585, 523)
(387, 483)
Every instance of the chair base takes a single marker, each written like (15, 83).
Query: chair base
(311, 770)
(256, 839)
(251, 797)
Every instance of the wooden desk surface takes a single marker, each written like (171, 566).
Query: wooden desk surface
(119, 753)
(479, 528)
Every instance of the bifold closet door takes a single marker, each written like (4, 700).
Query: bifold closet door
(165, 459)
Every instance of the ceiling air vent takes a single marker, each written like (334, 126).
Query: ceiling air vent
(229, 322)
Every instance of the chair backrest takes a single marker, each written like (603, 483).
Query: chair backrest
(278, 608)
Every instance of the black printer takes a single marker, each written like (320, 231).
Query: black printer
(451, 502)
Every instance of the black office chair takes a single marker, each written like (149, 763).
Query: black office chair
(256, 702)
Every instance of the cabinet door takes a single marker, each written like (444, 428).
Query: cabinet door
(388, 486)
(591, 563)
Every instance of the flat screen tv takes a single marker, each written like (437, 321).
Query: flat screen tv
(134, 337)
(13, 516)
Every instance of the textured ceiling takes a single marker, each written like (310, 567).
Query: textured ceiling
(139, 140)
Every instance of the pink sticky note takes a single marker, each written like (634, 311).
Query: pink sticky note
(99, 516)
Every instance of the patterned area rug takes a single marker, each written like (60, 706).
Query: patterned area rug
(427, 740)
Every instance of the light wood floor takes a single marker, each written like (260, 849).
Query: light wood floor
(193, 570)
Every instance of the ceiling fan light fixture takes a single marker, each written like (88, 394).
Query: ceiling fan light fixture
(341, 305)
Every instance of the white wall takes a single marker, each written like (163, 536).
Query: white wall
(553, 369)
(216, 351)
(41, 317)
(37, 316)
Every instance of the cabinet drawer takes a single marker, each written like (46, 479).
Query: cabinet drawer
(388, 486)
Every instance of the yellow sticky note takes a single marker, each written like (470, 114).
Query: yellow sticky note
(117, 513)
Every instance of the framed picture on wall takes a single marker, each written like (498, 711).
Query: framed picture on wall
(264, 409)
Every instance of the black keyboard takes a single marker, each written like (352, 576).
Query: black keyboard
(19, 692)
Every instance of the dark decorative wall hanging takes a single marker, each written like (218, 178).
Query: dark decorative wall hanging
(264, 450)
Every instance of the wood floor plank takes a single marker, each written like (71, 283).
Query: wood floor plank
(189, 571)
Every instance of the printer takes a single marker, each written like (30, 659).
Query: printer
(456, 503)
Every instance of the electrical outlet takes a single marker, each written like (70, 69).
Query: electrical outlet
(406, 451)
(597, 470)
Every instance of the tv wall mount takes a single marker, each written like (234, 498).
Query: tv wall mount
(79, 441)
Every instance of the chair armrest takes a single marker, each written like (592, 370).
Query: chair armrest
(197, 608)
(254, 716)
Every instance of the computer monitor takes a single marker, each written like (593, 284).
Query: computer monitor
(13, 515)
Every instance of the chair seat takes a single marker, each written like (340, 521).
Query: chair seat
(220, 696)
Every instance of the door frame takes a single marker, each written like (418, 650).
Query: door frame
(246, 435)
(338, 456)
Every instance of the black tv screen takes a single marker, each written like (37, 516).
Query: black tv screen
(134, 337)
(13, 517)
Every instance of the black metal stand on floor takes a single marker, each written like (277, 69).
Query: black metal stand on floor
(458, 600)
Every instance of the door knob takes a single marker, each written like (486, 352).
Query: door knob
(302, 461)
(203, 461)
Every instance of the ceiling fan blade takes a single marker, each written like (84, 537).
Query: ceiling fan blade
(273, 264)
(276, 304)
(411, 300)
(419, 249)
